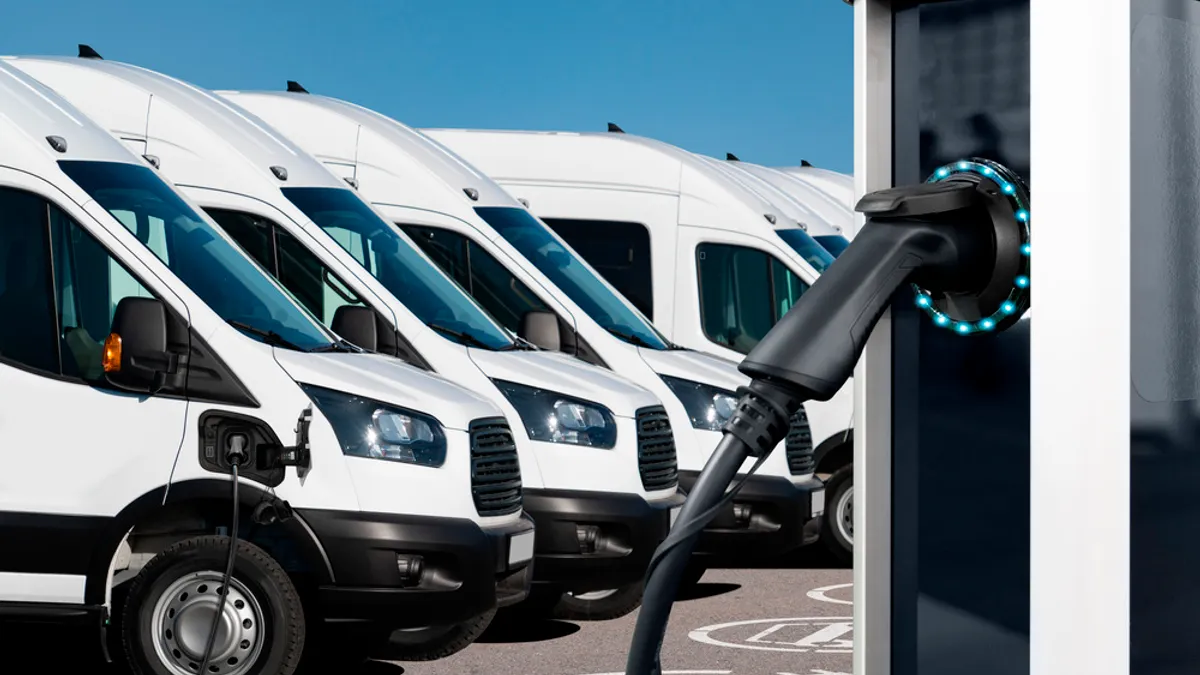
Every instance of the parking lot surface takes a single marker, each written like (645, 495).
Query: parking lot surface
(789, 617)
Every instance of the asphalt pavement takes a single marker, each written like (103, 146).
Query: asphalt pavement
(785, 617)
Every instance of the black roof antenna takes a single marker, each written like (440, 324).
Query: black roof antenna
(295, 88)
(730, 157)
(805, 162)
(614, 129)
(86, 52)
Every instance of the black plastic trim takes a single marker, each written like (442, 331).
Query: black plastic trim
(782, 509)
(462, 561)
(631, 529)
(832, 443)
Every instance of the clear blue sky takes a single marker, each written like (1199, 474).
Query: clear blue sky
(769, 80)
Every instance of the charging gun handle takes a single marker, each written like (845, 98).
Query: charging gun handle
(837, 314)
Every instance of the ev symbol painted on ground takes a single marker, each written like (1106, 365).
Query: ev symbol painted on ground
(816, 634)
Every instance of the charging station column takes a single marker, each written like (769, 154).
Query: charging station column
(1007, 528)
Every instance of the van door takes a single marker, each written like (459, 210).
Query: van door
(731, 290)
(74, 451)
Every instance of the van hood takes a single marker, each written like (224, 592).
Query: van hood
(695, 366)
(566, 375)
(391, 381)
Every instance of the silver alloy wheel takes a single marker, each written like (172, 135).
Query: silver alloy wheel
(594, 595)
(183, 617)
(845, 515)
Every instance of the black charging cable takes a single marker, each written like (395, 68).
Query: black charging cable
(235, 456)
(759, 423)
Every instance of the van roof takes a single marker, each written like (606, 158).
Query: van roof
(840, 186)
(405, 166)
(200, 138)
(832, 209)
(613, 161)
(796, 212)
(33, 114)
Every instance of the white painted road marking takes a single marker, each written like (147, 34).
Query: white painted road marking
(821, 594)
(818, 634)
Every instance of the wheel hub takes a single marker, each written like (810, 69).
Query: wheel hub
(845, 515)
(183, 617)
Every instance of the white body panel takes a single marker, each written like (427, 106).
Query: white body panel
(416, 181)
(679, 197)
(831, 206)
(120, 447)
(221, 154)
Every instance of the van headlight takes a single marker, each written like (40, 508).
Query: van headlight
(709, 407)
(556, 418)
(369, 428)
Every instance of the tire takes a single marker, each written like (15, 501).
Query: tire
(599, 605)
(837, 534)
(430, 644)
(272, 617)
(539, 604)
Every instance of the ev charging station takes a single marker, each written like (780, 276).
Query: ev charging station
(1067, 547)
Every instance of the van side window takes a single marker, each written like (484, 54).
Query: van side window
(311, 281)
(300, 271)
(483, 277)
(28, 325)
(743, 292)
(620, 251)
(90, 284)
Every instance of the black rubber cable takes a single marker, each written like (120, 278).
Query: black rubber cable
(224, 590)
(712, 492)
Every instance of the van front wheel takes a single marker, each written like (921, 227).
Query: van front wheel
(435, 642)
(599, 605)
(171, 604)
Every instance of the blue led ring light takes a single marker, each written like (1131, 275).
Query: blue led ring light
(1017, 195)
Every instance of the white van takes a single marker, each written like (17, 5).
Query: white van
(159, 362)
(535, 285)
(598, 457)
(700, 254)
(839, 186)
(832, 222)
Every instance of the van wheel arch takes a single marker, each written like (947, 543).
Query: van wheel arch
(834, 452)
(167, 513)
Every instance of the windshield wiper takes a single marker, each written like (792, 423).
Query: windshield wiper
(465, 338)
(269, 336)
(338, 345)
(520, 344)
(630, 337)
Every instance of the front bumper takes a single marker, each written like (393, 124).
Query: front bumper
(592, 541)
(465, 568)
(770, 515)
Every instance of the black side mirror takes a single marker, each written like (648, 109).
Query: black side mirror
(135, 353)
(541, 328)
(358, 326)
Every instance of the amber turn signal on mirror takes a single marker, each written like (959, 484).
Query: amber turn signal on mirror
(112, 353)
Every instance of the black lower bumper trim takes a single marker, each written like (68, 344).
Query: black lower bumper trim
(626, 531)
(465, 569)
(770, 515)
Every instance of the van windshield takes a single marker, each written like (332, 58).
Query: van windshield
(204, 260)
(834, 243)
(538, 244)
(808, 248)
(393, 259)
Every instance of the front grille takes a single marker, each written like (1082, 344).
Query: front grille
(656, 449)
(495, 470)
(799, 444)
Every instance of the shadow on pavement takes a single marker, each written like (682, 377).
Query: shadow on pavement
(812, 557)
(541, 630)
(379, 668)
(704, 590)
